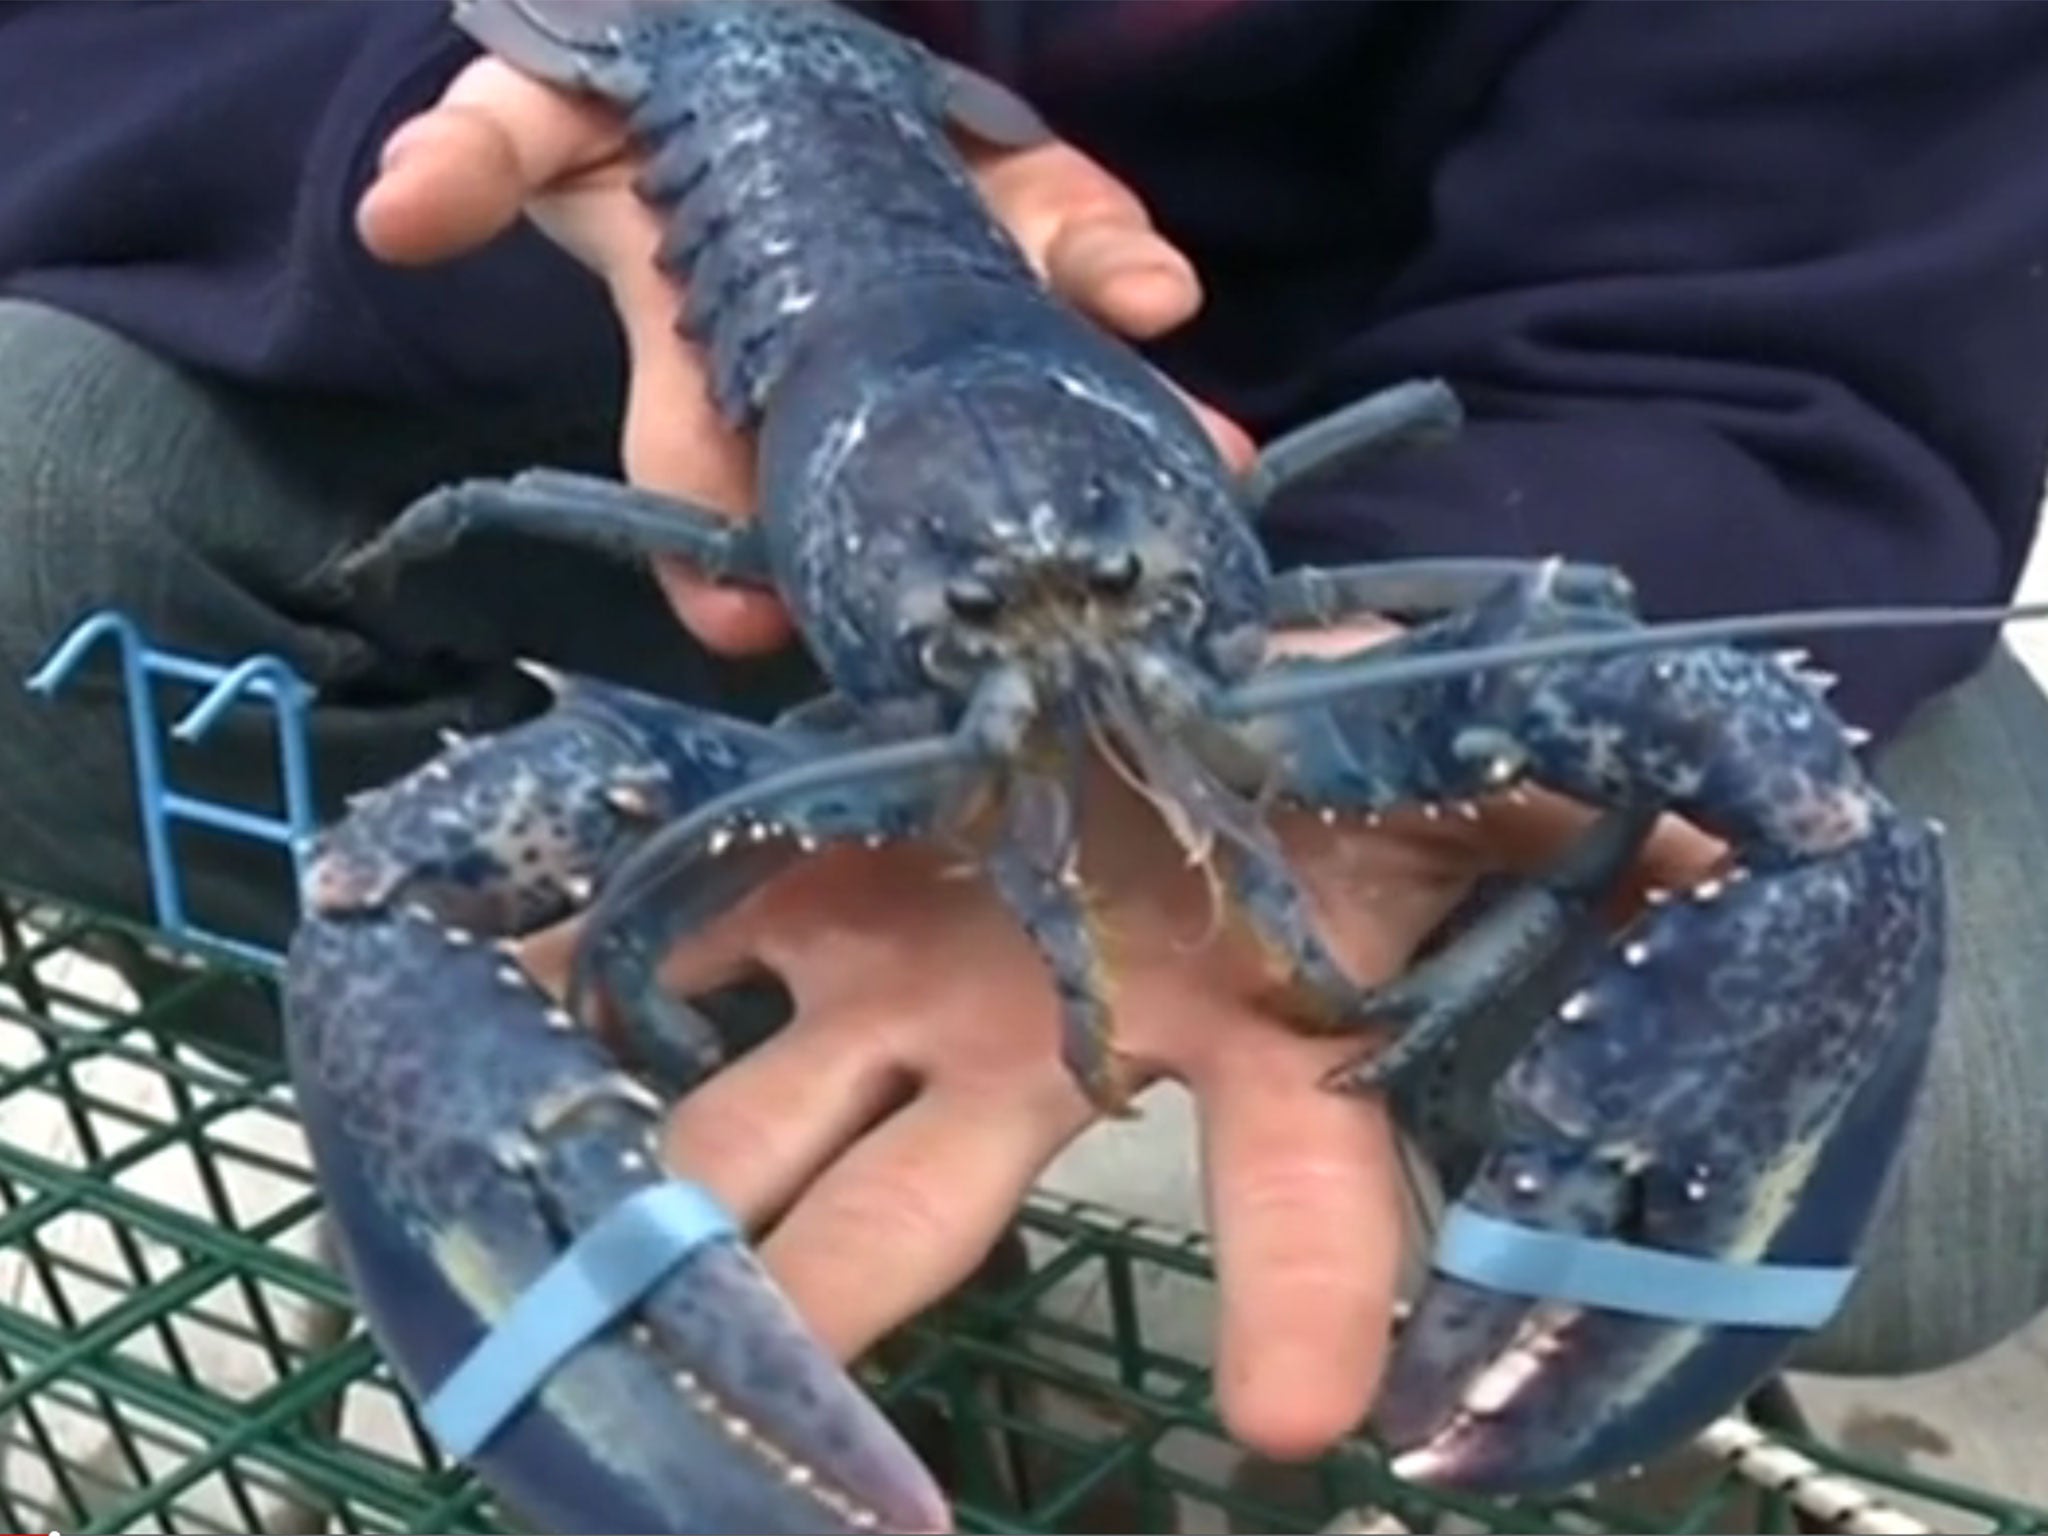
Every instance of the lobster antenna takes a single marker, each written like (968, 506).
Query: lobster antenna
(1275, 693)
(670, 849)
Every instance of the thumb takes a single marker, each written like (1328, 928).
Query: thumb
(1232, 441)
(460, 173)
(499, 144)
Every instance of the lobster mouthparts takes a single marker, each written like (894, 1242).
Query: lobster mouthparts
(467, 1135)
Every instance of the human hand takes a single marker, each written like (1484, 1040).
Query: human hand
(880, 1144)
(498, 144)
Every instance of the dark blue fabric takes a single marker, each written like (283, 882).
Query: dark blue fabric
(1751, 298)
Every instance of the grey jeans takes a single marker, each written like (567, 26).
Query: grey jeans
(215, 520)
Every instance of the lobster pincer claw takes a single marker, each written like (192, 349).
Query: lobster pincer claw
(506, 832)
(590, 1335)
(503, 834)
(1685, 1167)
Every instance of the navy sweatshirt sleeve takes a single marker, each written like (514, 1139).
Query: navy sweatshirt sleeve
(1751, 301)
(187, 173)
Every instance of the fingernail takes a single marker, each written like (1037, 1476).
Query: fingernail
(1147, 300)
(398, 145)
(729, 622)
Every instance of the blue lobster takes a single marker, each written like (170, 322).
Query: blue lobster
(1009, 543)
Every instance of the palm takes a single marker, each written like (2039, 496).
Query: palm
(919, 943)
(918, 1091)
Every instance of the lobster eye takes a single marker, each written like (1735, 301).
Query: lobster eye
(1116, 574)
(972, 600)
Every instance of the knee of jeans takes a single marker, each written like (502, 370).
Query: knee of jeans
(92, 431)
(122, 484)
(1977, 1256)
(1957, 1261)
(1913, 1324)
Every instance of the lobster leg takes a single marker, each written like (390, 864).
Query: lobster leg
(605, 515)
(1315, 597)
(1522, 936)
(1691, 1149)
(467, 1134)
(673, 1041)
(901, 788)
(1552, 919)
(1415, 414)
(1314, 989)
(1034, 868)
(1223, 830)
(702, 865)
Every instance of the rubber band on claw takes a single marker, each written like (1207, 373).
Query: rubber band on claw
(597, 1278)
(1619, 1277)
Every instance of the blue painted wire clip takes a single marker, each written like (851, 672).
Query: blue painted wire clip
(265, 678)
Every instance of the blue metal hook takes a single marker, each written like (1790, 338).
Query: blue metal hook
(265, 677)
(57, 668)
(56, 671)
(271, 678)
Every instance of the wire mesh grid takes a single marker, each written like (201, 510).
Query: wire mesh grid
(177, 1355)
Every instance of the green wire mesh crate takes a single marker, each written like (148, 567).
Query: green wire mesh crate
(176, 1355)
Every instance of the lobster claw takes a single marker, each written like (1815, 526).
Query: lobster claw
(1686, 1164)
(460, 1166)
(585, 1331)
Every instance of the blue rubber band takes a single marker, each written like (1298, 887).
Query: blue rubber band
(1671, 1287)
(605, 1271)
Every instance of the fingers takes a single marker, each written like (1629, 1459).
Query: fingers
(1095, 246)
(1679, 853)
(1232, 441)
(1038, 191)
(1090, 238)
(879, 1204)
(906, 1216)
(760, 1130)
(1124, 273)
(460, 173)
(729, 620)
(674, 440)
(1305, 1203)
